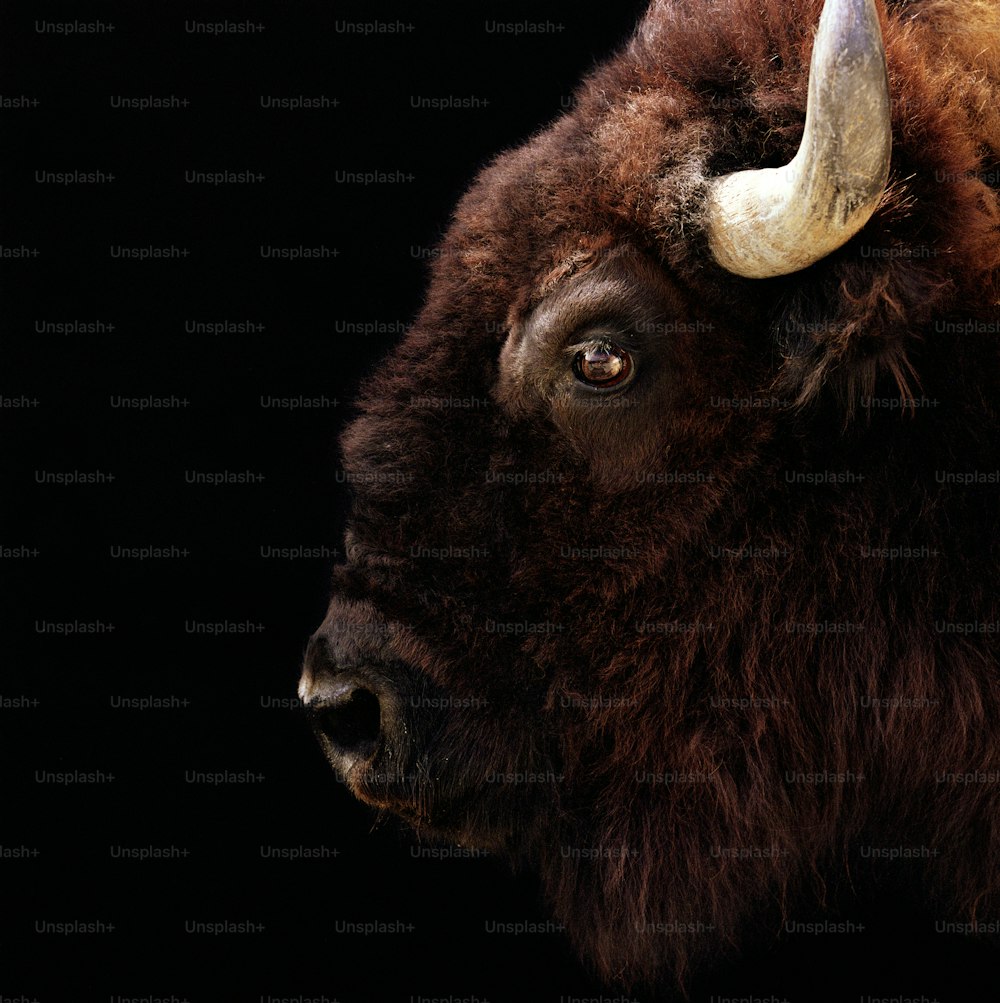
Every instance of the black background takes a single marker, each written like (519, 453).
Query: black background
(233, 692)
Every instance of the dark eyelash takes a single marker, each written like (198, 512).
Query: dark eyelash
(614, 336)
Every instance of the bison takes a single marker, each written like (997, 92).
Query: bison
(671, 570)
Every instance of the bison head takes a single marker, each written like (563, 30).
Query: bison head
(620, 568)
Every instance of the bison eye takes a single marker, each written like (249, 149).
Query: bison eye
(602, 364)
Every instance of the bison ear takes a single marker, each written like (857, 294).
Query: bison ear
(850, 332)
(773, 221)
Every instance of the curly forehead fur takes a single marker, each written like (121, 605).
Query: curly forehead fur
(710, 597)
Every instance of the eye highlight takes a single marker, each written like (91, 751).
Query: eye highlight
(602, 364)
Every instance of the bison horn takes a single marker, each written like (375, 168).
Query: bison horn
(779, 220)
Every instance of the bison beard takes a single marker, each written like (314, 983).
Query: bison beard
(689, 644)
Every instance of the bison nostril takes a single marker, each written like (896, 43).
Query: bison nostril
(352, 720)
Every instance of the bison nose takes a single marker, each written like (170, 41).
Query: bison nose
(353, 703)
(347, 712)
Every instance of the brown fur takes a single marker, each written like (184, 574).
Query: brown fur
(611, 193)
